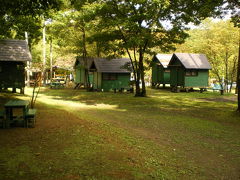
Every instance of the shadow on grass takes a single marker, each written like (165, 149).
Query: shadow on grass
(194, 104)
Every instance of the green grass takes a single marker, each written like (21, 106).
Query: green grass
(92, 135)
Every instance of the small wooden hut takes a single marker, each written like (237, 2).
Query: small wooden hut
(104, 74)
(160, 70)
(189, 71)
(13, 57)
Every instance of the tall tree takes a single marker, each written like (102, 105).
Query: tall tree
(138, 26)
(238, 72)
(234, 6)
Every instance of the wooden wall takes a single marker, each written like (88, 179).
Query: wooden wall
(12, 74)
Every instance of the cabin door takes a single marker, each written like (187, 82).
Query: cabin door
(180, 76)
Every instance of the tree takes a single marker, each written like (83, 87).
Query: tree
(138, 26)
(238, 72)
(234, 6)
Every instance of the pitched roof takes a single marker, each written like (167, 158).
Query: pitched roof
(80, 61)
(119, 65)
(164, 59)
(14, 50)
(193, 61)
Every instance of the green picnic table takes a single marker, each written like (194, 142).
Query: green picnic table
(15, 104)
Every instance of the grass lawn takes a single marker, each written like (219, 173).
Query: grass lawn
(92, 135)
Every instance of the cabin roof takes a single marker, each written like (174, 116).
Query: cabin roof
(164, 59)
(193, 61)
(14, 50)
(118, 65)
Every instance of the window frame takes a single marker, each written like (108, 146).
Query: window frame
(191, 73)
(109, 76)
(167, 70)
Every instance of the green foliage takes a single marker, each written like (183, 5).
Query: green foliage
(28, 7)
(67, 29)
(15, 28)
(20, 16)
(234, 7)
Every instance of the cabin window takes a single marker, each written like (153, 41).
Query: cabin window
(109, 76)
(20, 67)
(191, 73)
(167, 70)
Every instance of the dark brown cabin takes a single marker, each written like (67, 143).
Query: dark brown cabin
(14, 55)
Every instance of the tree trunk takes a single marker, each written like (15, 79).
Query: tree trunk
(98, 50)
(233, 72)
(51, 60)
(86, 77)
(226, 74)
(219, 79)
(238, 76)
(137, 84)
(141, 69)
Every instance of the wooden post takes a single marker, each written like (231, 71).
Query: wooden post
(28, 63)
(44, 53)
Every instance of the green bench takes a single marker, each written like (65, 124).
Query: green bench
(30, 117)
(56, 85)
(2, 114)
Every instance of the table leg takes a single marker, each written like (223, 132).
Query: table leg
(24, 117)
(8, 118)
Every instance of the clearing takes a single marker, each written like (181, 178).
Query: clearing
(91, 135)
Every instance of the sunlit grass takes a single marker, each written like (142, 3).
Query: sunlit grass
(60, 102)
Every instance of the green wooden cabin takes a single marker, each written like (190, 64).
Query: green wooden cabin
(13, 57)
(189, 70)
(160, 70)
(80, 67)
(104, 74)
